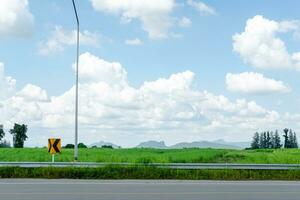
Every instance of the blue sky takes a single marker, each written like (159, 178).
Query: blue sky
(203, 45)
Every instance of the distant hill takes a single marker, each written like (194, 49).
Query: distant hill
(219, 144)
(153, 144)
(203, 144)
(102, 143)
(242, 145)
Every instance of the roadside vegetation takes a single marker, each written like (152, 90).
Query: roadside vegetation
(266, 147)
(133, 172)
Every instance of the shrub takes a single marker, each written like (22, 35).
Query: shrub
(69, 146)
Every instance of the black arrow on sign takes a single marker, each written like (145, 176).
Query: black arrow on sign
(50, 145)
(55, 147)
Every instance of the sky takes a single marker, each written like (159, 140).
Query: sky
(171, 70)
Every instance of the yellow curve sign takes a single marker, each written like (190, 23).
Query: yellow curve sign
(54, 145)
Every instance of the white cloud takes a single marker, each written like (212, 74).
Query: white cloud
(260, 46)
(33, 93)
(7, 84)
(171, 109)
(185, 22)
(61, 38)
(202, 7)
(134, 42)
(109, 72)
(254, 83)
(153, 14)
(15, 19)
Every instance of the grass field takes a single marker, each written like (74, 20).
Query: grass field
(268, 156)
(152, 155)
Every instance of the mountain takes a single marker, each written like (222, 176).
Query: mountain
(220, 144)
(102, 143)
(242, 145)
(203, 144)
(153, 144)
(217, 144)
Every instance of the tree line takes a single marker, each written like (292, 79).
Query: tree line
(272, 140)
(19, 133)
(19, 136)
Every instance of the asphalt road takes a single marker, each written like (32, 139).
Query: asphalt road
(25, 189)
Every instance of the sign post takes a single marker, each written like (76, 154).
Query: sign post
(54, 146)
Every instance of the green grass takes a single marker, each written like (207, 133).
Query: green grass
(149, 156)
(133, 172)
(280, 156)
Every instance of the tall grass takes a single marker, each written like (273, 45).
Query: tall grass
(280, 156)
(134, 172)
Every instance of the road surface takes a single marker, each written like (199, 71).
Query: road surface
(25, 189)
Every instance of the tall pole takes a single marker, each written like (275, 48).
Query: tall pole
(76, 95)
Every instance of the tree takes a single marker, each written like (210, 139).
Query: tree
(277, 142)
(272, 143)
(19, 135)
(255, 141)
(82, 146)
(268, 140)
(295, 141)
(2, 133)
(261, 141)
(291, 139)
(264, 140)
(286, 138)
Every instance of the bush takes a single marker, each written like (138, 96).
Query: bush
(5, 144)
(106, 147)
(82, 146)
(69, 146)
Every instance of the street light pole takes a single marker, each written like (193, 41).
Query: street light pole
(76, 93)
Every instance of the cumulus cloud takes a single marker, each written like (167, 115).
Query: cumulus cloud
(254, 83)
(202, 7)
(134, 42)
(260, 46)
(153, 14)
(25, 106)
(16, 19)
(61, 38)
(170, 109)
(33, 93)
(185, 22)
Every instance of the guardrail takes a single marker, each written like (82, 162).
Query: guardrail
(160, 165)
